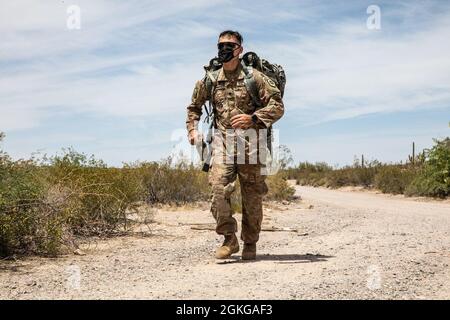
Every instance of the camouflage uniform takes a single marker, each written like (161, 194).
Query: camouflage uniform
(230, 97)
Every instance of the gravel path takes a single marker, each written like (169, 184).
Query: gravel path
(348, 244)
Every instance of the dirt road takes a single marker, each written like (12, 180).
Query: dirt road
(347, 245)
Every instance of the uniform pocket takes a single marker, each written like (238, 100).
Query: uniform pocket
(253, 181)
(263, 189)
(219, 99)
(243, 99)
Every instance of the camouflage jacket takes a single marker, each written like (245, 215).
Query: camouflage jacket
(230, 97)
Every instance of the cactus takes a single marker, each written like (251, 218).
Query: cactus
(416, 159)
(412, 157)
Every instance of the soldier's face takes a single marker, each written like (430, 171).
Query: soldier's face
(231, 40)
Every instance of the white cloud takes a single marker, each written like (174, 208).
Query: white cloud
(48, 65)
(352, 71)
(141, 58)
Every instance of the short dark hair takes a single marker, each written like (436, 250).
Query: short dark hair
(235, 34)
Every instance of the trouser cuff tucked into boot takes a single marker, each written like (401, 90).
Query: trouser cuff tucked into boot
(249, 251)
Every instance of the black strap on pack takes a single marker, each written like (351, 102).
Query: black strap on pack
(250, 84)
(210, 84)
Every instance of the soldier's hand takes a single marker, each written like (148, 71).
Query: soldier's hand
(194, 137)
(241, 121)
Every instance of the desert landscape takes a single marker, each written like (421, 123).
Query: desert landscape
(329, 244)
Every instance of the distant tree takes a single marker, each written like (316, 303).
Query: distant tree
(285, 157)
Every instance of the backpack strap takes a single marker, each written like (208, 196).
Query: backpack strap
(250, 84)
(211, 81)
(210, 84)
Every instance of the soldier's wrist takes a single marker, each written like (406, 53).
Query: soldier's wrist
(256, 122)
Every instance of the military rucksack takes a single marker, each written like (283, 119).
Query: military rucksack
(249, 61)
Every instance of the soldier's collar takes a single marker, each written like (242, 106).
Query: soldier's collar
(222, 77)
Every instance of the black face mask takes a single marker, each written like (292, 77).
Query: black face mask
(226, 51)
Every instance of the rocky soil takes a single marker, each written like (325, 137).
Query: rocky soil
(330, 245)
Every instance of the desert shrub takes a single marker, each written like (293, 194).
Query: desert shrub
(434, 177)
(43, 204)
(94, 198)
(178, 183)
(355, 175)
(309, 174)
(428, 176)
(322, 174)
(279, 189)
(365, 176)
(394, 178)
(315, 179)
(27, 222)
(340, 178)
(46, 203)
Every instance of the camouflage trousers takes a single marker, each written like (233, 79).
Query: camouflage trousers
(222, 179)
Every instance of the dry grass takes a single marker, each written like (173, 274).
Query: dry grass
(46, 204)
(428, 177)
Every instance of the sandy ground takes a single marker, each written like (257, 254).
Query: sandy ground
(348, 244)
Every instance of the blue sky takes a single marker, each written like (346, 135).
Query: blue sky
(119, 86)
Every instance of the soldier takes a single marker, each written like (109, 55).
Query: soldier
(235, 112)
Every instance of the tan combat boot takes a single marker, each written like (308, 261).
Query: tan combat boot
(230, 246)
(249, 251)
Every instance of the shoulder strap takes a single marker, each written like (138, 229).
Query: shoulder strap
(211, 82)
(250, 84)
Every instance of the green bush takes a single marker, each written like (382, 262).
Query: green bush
(309, 174)
(45, 203)
(394, 179)
(94, 198)
(355, 175)
(434, 178)
(429, 176)
(42, 205)
(165, 182)
(365, 176)
(279, 189)
(340, 178)
(27, 222)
